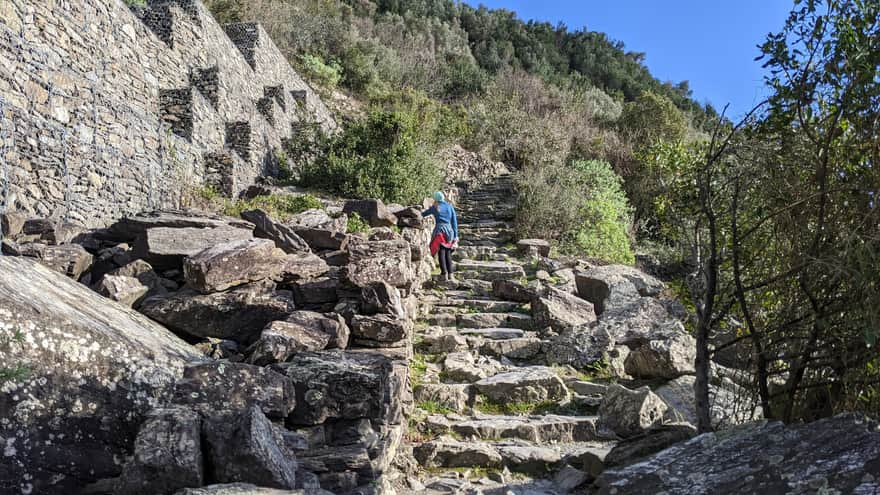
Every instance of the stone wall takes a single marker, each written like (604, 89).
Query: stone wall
(107, 110)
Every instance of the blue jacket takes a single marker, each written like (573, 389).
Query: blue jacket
(447, 222)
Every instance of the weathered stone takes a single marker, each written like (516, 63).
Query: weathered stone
(165, 247)
(408, 217)
(282, 339)
(532, 460)
(382, 234)
(547, 429)
(561, 311)
(167, 454)
(446, 343)
(580, 347)
(529, 384)
(62, 233)
(91, 370)
(839, 454)
(335, 258)
(495, 320)
(615, 286)
(667, 358)
(568, 478)
(246, 489)
(380, 297)
(230, 264)
(315, 292)
(318, 219)
(331, 324)
(12, 223)
(345, 385)
(371, 210)
(463, 367)
(380, 261)
(240, 314)
(285, 237)
(452, 453)
(533, 246)
(524, 348)
(38, 226)
(383, 330)
(455, 396)
(219, 386)
(321, 239)
(630, 412)
(643, 320)
(654, 440)
(70, 259)
(590, 460)
(511, 290)
(127, 291)
(729, 403)
(130, 228)
(303, 266)
(244, 447)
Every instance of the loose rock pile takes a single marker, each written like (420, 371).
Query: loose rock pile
(294, 375)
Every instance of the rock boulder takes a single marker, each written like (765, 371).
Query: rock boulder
(89, 370)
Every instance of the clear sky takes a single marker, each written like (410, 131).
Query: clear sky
(710, 43)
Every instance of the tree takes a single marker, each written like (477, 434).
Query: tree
(785, 216)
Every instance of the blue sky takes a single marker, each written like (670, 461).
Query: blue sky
(710, 43)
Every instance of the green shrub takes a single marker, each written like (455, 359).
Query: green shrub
(581, 205)
(279, 206)
(326, 75)
(377, 157)
(606, 216)
(357, 224)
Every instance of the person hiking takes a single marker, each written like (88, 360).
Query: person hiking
(444, 239)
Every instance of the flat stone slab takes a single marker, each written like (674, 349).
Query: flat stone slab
(494, 333)
(532, 460)
(540, 429)
(495, 320)
(520, 348)
(530, 384)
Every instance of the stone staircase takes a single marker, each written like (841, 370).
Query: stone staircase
(489, 417)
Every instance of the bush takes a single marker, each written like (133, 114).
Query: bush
(606, 216)
(582, 206)
(326, 75)
(378, 157)
(279, 206)
(652, 118)
(357, 224)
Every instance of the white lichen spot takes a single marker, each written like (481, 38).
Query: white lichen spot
(9, 448)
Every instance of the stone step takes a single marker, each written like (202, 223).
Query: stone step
(442, 318)
(487, 224)
(489, 270)
(483, 305)
(522, 349)
(500, 267)
(493, 333)
(522, 458)
(466, 242)
(495, 320)
(539, 429)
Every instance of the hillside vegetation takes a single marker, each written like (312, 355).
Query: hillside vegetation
(536, 96)
(769, 225)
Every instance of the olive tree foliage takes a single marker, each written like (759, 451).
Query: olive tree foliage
(780, 215)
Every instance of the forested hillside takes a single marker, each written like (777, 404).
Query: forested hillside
(767, 227)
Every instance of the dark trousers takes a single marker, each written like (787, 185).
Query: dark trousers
(445, 255)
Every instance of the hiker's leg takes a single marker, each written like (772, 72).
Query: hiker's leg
(441, 258)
